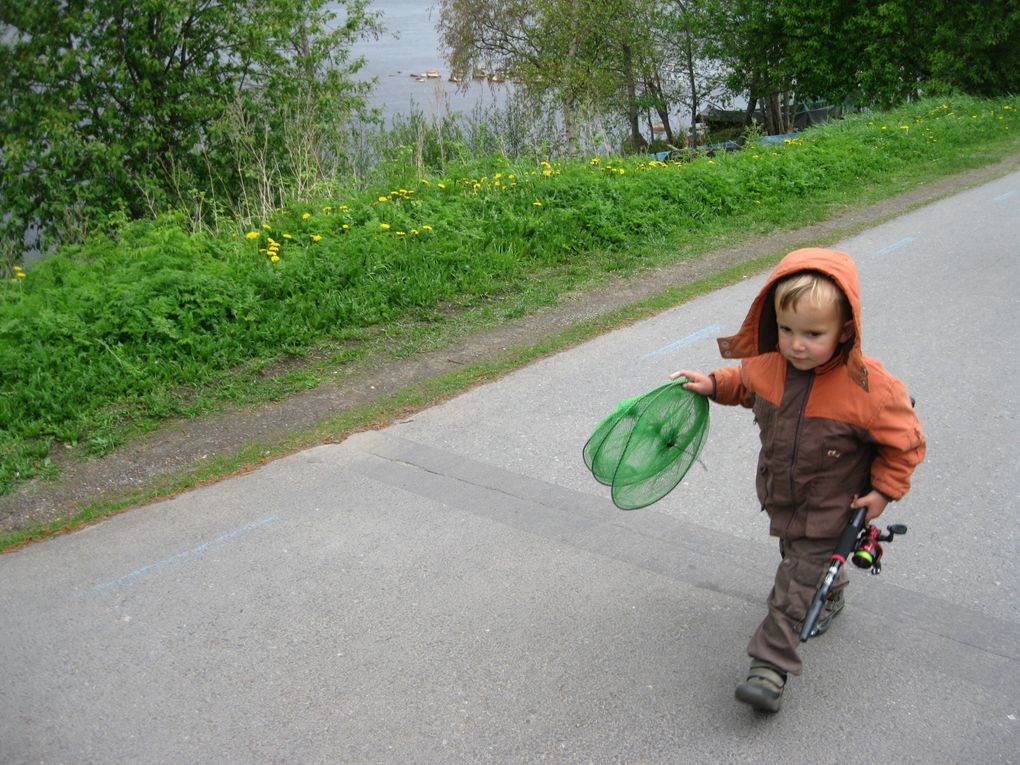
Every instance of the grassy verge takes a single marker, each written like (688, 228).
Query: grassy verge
(342, 424)
(106, 340)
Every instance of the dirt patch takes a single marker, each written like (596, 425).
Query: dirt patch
(183, 446)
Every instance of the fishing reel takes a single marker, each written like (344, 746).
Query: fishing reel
(868, 549)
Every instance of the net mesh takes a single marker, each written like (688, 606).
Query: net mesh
(647, 444)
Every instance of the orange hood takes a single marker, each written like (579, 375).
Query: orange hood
(759, 334)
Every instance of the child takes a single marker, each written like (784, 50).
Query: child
(837, 432)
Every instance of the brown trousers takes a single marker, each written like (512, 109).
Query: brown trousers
(797, 578)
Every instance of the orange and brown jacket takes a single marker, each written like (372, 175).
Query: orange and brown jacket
(827, 434)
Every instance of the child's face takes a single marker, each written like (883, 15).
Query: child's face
(809, 334)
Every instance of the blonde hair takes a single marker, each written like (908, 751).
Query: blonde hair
(819, 291)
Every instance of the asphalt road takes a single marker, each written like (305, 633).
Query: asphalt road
(456, 588)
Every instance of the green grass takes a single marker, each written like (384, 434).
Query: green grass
(105, 340)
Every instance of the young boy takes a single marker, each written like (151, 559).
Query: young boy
(838, 432)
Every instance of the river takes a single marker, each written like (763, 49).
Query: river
(408, 48)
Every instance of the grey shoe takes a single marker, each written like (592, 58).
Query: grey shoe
(763, 688)
(830, 610)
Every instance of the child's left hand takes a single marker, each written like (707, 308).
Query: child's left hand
(874, 501)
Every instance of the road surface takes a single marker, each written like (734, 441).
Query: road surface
(456, 588)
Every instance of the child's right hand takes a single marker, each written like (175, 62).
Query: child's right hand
(696, 382)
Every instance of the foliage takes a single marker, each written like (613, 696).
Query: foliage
(588, 56)
(125, 330)
(109, 105)
(751, 39)
(871, 54)
(683, 33)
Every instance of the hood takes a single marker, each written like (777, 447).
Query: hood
(758, 334)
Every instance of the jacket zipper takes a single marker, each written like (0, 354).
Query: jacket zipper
(796, 436)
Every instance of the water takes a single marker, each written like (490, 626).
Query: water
(408, 47)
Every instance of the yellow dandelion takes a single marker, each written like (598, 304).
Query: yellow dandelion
(441, 185)
(327, 209)
(384, 226)
(267, 227)
(306, 216)
(275, 258)
(253, 235)
(536, 203)
(383, 199)
(345, 227)
(401, 233)
(415, 231)
(425, 182)
(287, 236)
(543, 163)
(316, 238)
(20, 274)
(343, 207)
(427, 227)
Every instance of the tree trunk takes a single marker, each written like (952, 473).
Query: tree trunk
(752, 101)
(570, 106)
(660, 109)
(570, 123)
(655, 88)
(637, 140)
(693, 83)
(773, 114)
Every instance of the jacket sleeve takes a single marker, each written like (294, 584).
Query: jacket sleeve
(730, 388)
(901, 443)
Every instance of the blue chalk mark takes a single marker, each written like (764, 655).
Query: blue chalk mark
(198, 550)
(895, 245)
(1004, 197)
(711, 330)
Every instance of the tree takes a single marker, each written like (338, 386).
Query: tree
(110, 105)
(588, 56)
(873, 54)
(683, 36)
(750, 40)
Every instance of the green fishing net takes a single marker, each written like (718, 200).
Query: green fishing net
(645, 447)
